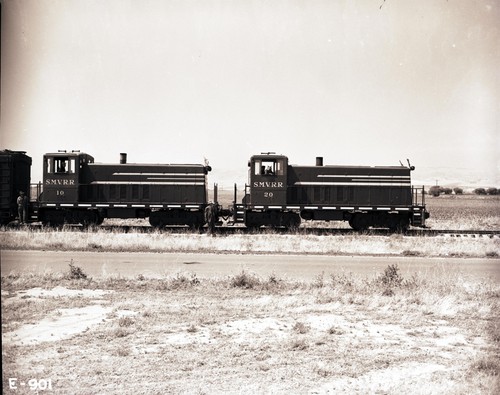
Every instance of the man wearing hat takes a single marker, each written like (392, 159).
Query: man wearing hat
(22, 207)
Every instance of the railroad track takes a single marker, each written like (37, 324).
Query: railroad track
(455, 233)
(301, 231)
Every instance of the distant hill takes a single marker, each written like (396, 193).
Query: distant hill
(451, 177)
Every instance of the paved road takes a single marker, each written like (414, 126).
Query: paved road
(297, 267)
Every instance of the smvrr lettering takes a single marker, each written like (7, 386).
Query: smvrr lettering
(267, 184)
(56, 181)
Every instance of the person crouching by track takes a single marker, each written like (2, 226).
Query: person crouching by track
(22, 207)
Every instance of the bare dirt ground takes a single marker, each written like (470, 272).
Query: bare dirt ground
(245, 334)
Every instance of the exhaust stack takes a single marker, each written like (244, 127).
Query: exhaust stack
(319, 161)
(123, 158)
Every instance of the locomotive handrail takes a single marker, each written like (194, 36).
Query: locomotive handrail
(37, 189)
(416, 191)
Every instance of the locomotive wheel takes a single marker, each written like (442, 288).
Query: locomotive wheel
(91, 218)
(359, 222)
(52, 218)
(196, 228)
(155, 220)
(100, 219)
(252, 226)
(291, 221)
(399, 224)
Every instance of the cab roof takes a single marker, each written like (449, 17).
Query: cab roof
(268, 155)
(65, 153)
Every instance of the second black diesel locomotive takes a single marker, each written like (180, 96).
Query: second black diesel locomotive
(281, 194)
(76, 190)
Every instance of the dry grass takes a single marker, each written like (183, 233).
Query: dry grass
(464, 212)
(447, 212)
(246, 334)
(266, 242)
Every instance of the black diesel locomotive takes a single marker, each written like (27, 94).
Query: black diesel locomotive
(280, 194)
(78, 191)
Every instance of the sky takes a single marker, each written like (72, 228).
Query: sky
(367, 82)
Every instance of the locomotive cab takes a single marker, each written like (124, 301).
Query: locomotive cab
(267, 177)
(61, 176)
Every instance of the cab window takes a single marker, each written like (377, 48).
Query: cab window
(49, 165)
(269, 167)
(60, 165)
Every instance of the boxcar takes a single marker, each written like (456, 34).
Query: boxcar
(15, 174)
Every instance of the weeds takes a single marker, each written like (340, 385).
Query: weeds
(182, 281)
(245, 280)
(252, 281)
(333, 330)
(410, 253)
(76, 272)
(121, 332)
(299, 345)
(413, 283)
(341, 280)
(125, 321)
(301, 328)
(489, 366)
(391, 276)
(319, 281)
(140, 277)
(192, 329)
(122, 352)
(273, 279)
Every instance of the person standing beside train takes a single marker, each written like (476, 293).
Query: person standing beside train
(22, 207)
